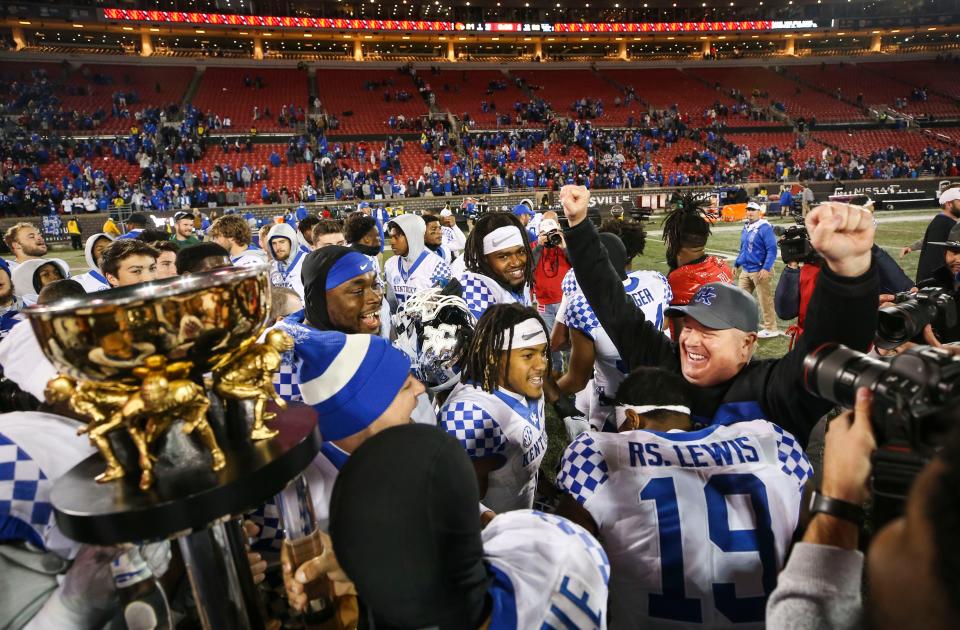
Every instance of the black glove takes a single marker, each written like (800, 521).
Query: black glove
(566, 409)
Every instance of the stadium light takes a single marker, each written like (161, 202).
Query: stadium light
(78, 26)
(25, 22)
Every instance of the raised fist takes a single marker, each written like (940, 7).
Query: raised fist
(843, 234)
(575, 200)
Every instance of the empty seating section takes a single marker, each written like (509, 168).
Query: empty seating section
(561, 88)
(771, 88)
(223, 91)
(462, 92)
(863, 142)
(21, 71)
(343, 91)
(101, 82)
(853, 80)
(936, 76)
(663, 88)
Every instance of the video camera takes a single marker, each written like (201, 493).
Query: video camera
(911, 312)
(795, 245)
(910, 393)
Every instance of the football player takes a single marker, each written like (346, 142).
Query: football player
(696, 523)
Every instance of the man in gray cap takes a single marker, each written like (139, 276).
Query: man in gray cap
(719, 327)
(947, 277)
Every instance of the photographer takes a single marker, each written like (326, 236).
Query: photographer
(799, 277)
(550, 265)
(946, 277)
(911, 564)
(719, 333)
(937, 230)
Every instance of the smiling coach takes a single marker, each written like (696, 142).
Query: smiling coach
(719, 334)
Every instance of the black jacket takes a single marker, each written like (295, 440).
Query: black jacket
(944, 279)
(931, 256)
(842, 310)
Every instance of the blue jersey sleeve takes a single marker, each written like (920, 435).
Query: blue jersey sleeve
(441, 275)
(477, 296)
(580, 316)
(475, 429)
(582, 470)
(793, 460)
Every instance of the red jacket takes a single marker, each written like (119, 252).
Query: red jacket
(686, 279)
(550, 265)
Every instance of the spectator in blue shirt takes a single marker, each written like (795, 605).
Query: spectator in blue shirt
(754, 264)
(786, 201)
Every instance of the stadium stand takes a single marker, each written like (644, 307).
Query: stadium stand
(767, 88)
(225, 92)
(937, 76)
(562, 88)
(123, 90)
(463, 92)
(855, 83)
(358, 99)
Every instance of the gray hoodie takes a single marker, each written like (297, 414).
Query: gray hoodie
(88, 248)
(413, 228)
(287, 273)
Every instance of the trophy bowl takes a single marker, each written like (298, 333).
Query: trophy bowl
(202, 319)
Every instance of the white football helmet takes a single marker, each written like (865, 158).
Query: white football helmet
(429, 326)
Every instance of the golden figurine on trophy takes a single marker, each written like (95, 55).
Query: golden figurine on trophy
(249, 376)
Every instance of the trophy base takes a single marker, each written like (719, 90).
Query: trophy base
(187, 495)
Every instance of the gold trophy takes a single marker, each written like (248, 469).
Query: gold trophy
(138, 362)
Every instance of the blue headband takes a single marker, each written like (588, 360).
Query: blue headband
(347, 267)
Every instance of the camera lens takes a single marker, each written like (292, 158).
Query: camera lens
(903, 322)
(835, 372)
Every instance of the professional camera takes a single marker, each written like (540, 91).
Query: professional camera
(910, 392)
(795, 245)
(553, 239)
(911, 312)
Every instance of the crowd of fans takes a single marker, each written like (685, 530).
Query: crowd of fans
(658, 148)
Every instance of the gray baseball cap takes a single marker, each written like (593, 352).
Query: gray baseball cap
(953, 239)
(719, 305)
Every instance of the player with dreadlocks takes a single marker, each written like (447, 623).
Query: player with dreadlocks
(496, 411)
(685, 234)
(497, 264)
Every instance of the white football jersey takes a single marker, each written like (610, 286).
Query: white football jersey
(36, 449)
(651, 292)
(503, 425)
(480, 292)
(696, 524)
(250, 258)
(426, 272)
(289, 274)
(453, 239)
(92, 281)
(547, 573)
